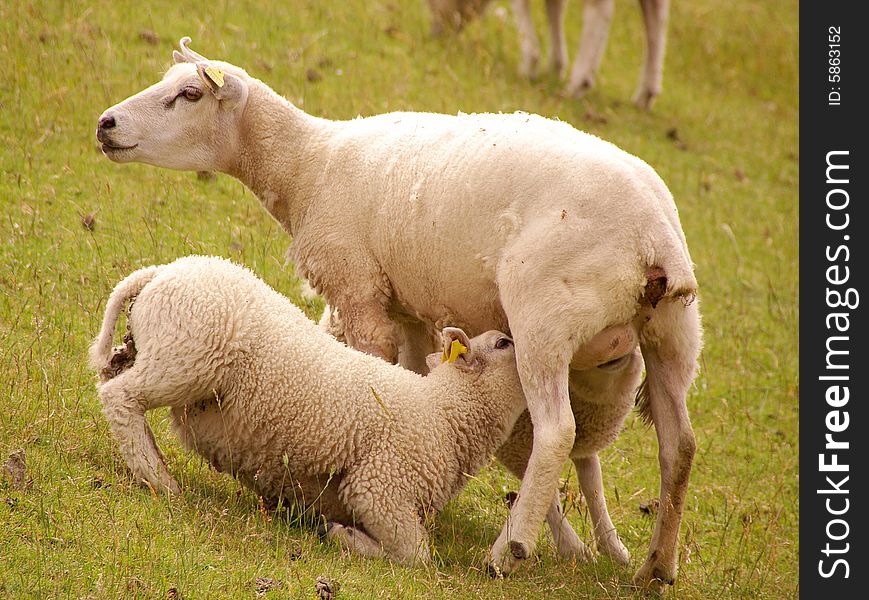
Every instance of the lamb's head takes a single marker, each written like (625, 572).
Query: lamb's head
(489, 359)
(187, 121)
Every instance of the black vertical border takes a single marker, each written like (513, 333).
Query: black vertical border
(825, 128)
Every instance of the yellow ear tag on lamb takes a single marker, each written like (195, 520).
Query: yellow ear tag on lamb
(456, 350)
(215, 74)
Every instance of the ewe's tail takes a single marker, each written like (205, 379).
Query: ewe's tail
(101, 348)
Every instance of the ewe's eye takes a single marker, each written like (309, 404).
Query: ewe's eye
(191, 94)
(503, 343)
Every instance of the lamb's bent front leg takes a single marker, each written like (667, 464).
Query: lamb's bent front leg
(125, 414)
(554, 431)
(670, 344)
(591, 484)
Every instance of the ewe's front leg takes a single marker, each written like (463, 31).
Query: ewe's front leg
(554, 431)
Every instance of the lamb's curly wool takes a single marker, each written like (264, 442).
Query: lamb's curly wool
(265, 394)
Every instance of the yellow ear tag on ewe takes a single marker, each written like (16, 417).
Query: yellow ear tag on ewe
(456, 350)
(215, 74)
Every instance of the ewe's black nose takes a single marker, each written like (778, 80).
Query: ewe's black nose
(107, 122)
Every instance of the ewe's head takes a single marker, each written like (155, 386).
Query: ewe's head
(186, 121)
(489, 353)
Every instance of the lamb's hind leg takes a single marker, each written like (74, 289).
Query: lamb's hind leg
(591, 484)
(670, 343)
(124, 410)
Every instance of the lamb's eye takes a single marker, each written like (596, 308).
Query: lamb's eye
(191, 94)
(503, 343)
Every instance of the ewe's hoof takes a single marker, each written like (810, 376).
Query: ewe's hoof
(652, 577)
(519, 550)
(510, 498)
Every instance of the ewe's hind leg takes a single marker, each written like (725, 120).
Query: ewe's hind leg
(655, 15)
(670, 343)
(125, 412)
(596, 18)
(591, 484)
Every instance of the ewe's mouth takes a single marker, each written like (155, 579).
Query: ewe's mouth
(108, 147)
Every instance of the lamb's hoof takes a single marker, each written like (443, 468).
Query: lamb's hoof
(493, 571)
(323, 528)
(510, 498)
(615, 550)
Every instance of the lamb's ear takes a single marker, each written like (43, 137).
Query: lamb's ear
(432, 361)
(457, 347)
(229, 89)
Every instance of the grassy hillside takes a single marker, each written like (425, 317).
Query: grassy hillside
(723, 136)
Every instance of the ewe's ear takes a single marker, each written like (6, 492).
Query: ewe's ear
(229, 89)
(178, 58)
(457, 347)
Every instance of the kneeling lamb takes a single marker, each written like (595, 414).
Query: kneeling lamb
(264, 394)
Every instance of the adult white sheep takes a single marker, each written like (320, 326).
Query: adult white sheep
(407, 221)
(264, 394)
(596, 18)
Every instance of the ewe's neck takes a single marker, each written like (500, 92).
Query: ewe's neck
(278, 154)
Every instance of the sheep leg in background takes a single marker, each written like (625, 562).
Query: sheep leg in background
(596, 18)
(126, 416)
(591, 484)
(528, 41)
(558, 48)
(670, 344)
(655, 16)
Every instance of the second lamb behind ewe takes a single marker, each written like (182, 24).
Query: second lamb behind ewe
(261, 392)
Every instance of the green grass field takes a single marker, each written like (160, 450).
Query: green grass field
(723, 136)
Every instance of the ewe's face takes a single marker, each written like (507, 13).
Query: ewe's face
(183, 122)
